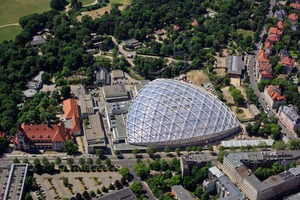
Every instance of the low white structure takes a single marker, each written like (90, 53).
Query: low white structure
(239, 143)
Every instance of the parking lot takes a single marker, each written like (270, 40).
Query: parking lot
(52, 186)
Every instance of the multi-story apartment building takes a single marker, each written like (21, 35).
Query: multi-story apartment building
(289, 117)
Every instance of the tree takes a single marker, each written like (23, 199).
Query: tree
(26, 161)
(107, 161)
(78, 196)
(294, 144)
(298, 132)
(142, 170)
(177, 150)
(118, 184)
(137, 188)
(98, 191)
(135, 151)
(65, 91)
(125, 172)
(151, 150)
(92, 193)
(46, 77)
(4, 144)
(103, 189)
(81, 161)
(279, 145)
(57, 4)
(211, 149)
(199, 191)
(57, 160)
(111, 187)
(90, 161)
(262, 145)
(65, 181)
(117, 152)
(98, 161)
(28, 196)
(16, 160)
(100, 153)
(70, 161)
(70, 147)
(167, 150)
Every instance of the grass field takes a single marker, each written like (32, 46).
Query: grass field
(245, 33)
(12, 10)
(85, 2)
(124, 2)
(9, 32)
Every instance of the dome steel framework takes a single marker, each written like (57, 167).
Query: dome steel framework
(172, 113)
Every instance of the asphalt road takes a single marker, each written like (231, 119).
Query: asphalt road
(253, 73)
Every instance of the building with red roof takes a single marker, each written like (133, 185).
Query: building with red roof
(280, 24)
(262, 57)
(71, 114)
(293, 18)
(195, 23)
(268, 46)
(265, 67)
(176, 27)
(41, 136)
(295, 6)
(273, 96)
(276, 31)
(288, 64)
(273, 38)
(265, 75)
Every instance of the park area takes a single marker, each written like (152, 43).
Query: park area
(101, 11)
(12, 10)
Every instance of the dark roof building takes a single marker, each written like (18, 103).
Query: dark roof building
(114, 93)
(235, 65)
(125, 194)
(180, 193)
(37, 40)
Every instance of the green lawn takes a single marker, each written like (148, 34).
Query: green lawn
(246, 33)
(9, 33)
(85, 2)
(12, 10)
(124, 2)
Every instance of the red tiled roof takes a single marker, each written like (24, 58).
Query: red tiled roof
(295, 5)
(268, 44)
(275, 30)
(262, 57)
(266, 75)
(70, 108)
(287, 61)
(265, 66)
(274, 92)
(51, 133)
(176, 27)
(2, 135)
(273, 38)
(293, 17)
(280, 24)
(75, 124)
(195, 23)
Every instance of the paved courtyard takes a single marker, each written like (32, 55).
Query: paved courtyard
(53, 186)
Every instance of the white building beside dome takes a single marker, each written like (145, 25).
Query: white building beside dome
(172, 113)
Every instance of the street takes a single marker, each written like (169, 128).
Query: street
(253, 75)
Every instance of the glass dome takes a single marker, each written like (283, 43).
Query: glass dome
(168, 112)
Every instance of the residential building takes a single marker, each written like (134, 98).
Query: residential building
(41, 136)
(102, 77)
(293, 18)
(288, 64)
(188, 161)
(195, 23)
(273, 96)
(117, 74)
(114, 93)
(296, 6)
(37, 39)
(239, 166)
(71, 114)
(124, 194)
(273, 38)
(276, 31)
(262, 57)
(280, 24)
(289, 116)
(280, 14)
(179, 193)
(268, 46)
(227, 190)
(265, 75)
(235, 66)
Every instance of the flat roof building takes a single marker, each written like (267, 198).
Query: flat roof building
(94, 133)
(12, 180)
(235, 66)
(289, 116)
(87, 105)
(117, 74)
(124, 194)
(113, 93)
(188, 161)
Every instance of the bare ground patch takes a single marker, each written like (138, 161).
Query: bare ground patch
(98, 12)
(244, 115)
(198, 77)
(227, 95)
